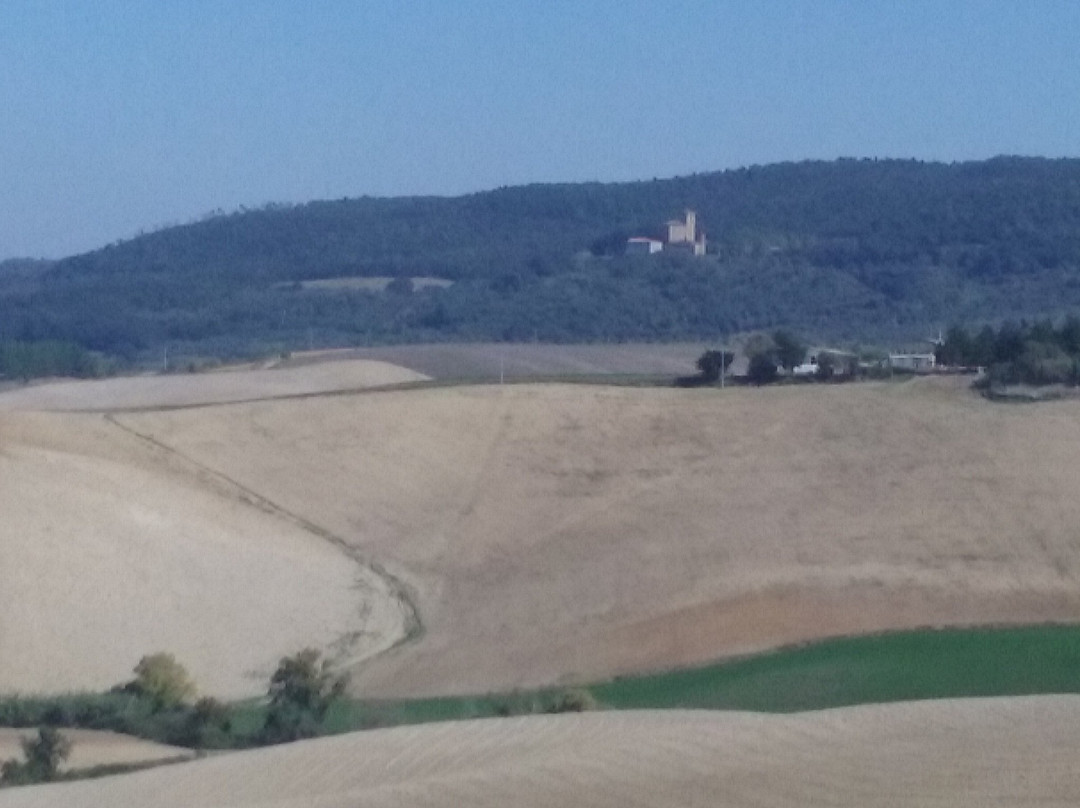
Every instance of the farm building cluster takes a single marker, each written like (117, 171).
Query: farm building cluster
(679, 235)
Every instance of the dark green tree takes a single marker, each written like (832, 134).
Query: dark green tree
(958, 348)
(207, 724)
(301, 690)
(762, 369)
(983, 347)
(790, 350)
(1069, 336)
(711, 363)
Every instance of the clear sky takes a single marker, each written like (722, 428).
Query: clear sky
(121, 115)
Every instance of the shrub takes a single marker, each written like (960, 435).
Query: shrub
(301, 690)
(43, 754)
(574, 700)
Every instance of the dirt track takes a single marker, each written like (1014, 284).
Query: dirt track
(557, 533)
(1005, 752)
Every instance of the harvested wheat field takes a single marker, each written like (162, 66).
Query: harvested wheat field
(1003, 752)
(112, 548)
(187, 389)
(91, 748)
(554, 533)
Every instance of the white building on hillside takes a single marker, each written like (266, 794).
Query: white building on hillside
(640, 245)
(683, 235)
(680, 234)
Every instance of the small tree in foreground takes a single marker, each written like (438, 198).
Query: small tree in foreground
(301, 690)
(43, 754)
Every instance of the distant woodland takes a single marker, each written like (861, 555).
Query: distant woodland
(869, 250)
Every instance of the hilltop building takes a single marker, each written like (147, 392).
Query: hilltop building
(642, 245)
(680, 234)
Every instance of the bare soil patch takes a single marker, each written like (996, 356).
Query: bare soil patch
(1006, 752)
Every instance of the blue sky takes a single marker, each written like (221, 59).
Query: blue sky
(117, 116)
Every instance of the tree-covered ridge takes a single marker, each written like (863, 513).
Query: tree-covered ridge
(875, 249)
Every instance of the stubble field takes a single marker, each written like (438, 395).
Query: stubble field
(1002, 752)
(557, 533)
(455, 539)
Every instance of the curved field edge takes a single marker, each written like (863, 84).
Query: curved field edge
(879, 668)
(411, 627)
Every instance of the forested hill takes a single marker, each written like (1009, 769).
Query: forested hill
(872, 249)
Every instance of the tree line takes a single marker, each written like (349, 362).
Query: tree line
(1036, 353)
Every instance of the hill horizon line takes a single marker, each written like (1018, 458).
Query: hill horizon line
(241, 209)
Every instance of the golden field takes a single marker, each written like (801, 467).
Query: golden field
(457, 539)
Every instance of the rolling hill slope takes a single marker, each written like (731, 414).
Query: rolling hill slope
(114, 548)
(559, 533)
(1004, 752)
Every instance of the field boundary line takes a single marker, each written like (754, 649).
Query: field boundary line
(399, 590)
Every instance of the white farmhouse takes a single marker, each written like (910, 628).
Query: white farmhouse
(912, 361)
(679, 234)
